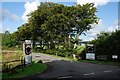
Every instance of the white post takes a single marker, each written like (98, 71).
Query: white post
(27, 50)
(74, 56)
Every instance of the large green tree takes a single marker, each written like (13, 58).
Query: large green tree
(54, 23)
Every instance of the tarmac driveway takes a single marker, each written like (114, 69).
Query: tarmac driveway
(60, 69)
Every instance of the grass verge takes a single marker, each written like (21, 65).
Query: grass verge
(26, 71)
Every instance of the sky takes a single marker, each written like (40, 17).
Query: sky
(13, 14)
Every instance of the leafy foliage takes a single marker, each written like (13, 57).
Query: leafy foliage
(54, 24)
(108, 43)
(7, 39)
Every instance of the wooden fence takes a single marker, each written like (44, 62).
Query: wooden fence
(10, 59)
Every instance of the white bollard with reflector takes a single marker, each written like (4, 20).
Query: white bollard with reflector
(27, 50)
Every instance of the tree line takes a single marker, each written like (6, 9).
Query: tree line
(108, 43)
(55, 27)
(56, 24)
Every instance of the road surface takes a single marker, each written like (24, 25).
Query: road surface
(61, 69)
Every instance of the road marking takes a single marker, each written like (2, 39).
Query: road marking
(64, 77)
(107, 71)
(86, 74)
(92, 73)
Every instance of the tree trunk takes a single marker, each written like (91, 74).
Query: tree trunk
(33, 44)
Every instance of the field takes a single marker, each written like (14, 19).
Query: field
(10, 59)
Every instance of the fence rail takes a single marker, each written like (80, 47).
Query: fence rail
(10, 59)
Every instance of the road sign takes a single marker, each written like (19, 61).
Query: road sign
(27, 49)
(28, 42)
(28, 59)
(114, 56)
(90, 56)
(102, 57)
(90, 48)
(90, 52)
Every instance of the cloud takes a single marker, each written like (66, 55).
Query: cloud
(92, 33)
(29, 7)
(97, 28)
(117, 22)
(114, 27)
(3, 29)
(5, 13)
(96, 2)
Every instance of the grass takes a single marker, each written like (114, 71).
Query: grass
(0, 57)
(11, 55)
(101, 62)
(7, 57)
(26, 71)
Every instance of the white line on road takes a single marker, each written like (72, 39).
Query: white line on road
(64, 77)
(92, 73)
(107, 71)
(86, 74)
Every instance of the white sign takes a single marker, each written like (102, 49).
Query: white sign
(27, 41)
(90, 56)
(114, 56)
(90, 45)
(27, 46)
(28, 59)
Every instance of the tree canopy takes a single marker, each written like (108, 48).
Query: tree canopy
(108, 43)
(54, 23)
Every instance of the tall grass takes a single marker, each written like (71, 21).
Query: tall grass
(10, 59)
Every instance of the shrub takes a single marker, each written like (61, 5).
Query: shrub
(107, 43)
(80, 52)
(40, 61)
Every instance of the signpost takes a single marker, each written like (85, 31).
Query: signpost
(27, 50)
(114, 57)
(90, 56)
(102, 57)
(90, 52)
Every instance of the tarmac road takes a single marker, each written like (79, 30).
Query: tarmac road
(61, 69)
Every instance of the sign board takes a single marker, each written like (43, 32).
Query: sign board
(102, 57)
(28, 59)
(27, 49)
(114, 56)
(90, 56)
(90, 45)
(90, 48)
(28, 42)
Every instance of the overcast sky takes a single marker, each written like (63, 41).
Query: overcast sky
(14, 14)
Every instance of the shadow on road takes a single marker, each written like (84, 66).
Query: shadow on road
(61, 69)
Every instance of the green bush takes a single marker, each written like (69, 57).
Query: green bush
(108, 43)
(80, 49)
